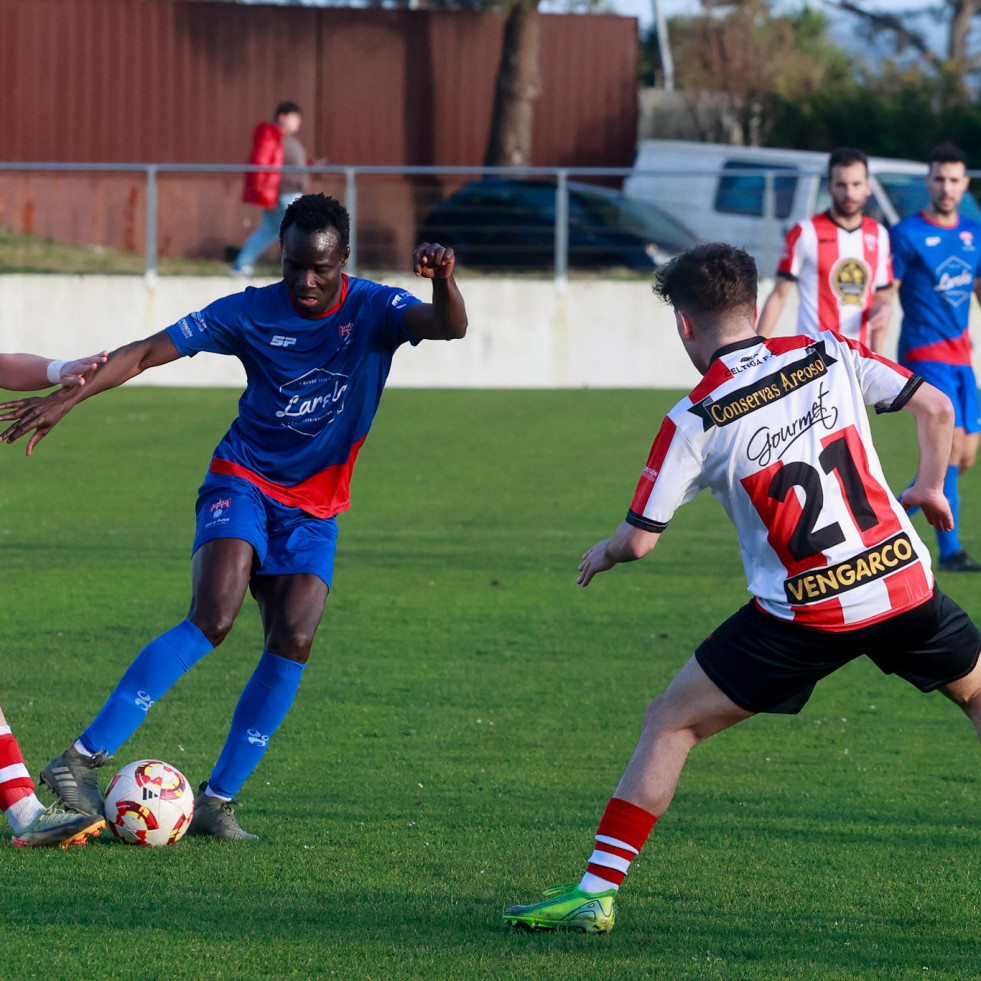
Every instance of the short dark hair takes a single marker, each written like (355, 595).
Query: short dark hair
(709, 279)
(285, 108)
(845, 156)
(947, 153)
(316, 212)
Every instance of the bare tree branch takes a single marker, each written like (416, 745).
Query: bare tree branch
(891, 22)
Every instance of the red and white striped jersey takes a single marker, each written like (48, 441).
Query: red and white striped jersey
(778, 432)
(837, 273)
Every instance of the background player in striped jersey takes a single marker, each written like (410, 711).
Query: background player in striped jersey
(317, 348)
(938, 262)
(778, 431)
(33, 824)
(840, 262)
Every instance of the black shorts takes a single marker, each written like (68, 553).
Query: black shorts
(765, 664)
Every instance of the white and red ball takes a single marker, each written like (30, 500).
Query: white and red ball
(149, 803)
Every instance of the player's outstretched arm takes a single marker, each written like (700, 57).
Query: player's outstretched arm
(38, 416)
(30, 372)
(445, 319)
(934, 432)
(628, 544)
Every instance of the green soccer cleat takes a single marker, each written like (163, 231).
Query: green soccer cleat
(566, 908)
(53, 826)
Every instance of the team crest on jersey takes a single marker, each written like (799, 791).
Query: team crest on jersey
(850, 279)
(968, 239)
(765, 391)
(871, 242)
(345, 329)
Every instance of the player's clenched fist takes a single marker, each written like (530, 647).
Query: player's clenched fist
(433, 261)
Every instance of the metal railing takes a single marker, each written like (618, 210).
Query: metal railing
(355, 177)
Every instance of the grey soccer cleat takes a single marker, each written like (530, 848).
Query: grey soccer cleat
(73, 779)
(216, 817)
(53, 826)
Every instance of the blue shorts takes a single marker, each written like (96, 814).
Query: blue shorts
(286, 540)
(958, 383)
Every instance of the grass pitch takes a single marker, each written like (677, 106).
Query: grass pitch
(465, 716)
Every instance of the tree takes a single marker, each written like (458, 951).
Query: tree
(518, 85)
(754, 61)
(957, 60)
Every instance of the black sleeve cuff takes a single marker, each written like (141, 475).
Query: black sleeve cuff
(645, 524)
(903, 397)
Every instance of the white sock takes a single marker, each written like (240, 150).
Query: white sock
(23, 812)
(593, 883)
(208, 792)
(80, 746)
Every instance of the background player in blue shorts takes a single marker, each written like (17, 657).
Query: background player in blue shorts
(937, 263)
(317, 347)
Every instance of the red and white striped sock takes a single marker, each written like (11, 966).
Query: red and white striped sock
(622, 832)
(17, 799)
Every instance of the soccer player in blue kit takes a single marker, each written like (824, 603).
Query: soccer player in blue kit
(317, 347)
(936, 256)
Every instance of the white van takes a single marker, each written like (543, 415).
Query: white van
(752, 196)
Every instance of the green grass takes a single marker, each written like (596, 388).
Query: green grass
(22, 253)
(464, 718)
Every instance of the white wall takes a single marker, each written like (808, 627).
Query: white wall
(524, 333)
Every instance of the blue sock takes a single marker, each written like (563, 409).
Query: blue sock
(151, 675)
(263, 705)
(949, 541)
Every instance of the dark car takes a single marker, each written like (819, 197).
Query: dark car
(511, 223)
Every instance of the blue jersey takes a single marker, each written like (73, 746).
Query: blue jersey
(936, 266)
(314, 384)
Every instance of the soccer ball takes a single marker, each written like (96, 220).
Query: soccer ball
(149, 803)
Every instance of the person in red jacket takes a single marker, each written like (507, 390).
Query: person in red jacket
(274, 144)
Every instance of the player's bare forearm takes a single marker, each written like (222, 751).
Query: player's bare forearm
(627, 544)
(40, 415)
(127, 362)
(934, 433)
(445, 318)
(449, 310)
(24, 372)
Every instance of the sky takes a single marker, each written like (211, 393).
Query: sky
(643, 10)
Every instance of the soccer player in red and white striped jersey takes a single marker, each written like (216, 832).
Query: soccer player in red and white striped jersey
(840, 261)
(778, 432)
